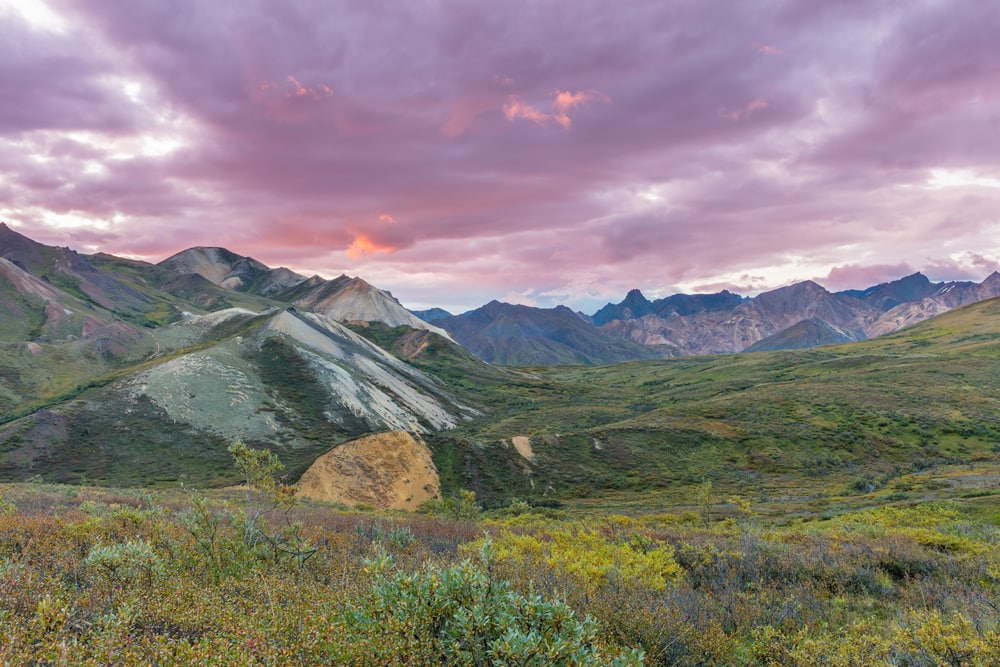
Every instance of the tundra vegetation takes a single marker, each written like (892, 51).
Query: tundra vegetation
(250, 577)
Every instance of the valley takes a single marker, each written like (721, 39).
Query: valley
(246, 465)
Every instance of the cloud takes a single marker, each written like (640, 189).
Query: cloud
(853, 276)
(563, 102)
(464, 150)
(363, 245)
(750, 107)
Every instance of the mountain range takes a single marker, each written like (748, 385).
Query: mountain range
(124, 372)
(797, 316)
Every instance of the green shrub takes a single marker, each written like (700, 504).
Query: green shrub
(461, 615)
(120, 566)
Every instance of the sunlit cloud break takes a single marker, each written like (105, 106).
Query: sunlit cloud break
(563, 102)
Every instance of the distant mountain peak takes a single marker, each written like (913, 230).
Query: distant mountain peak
(633, 306)
(229, 269)
(353, 299)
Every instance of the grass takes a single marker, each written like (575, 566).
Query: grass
(96, 576)
(835, 419)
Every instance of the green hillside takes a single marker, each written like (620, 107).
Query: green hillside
(859, 416)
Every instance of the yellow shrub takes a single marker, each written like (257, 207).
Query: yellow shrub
(950, 640)
(589, 558)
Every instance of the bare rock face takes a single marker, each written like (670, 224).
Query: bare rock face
(346, 299)
(390, 470)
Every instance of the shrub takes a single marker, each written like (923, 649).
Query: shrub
(461, 614)
(590, 559)
(122, 565)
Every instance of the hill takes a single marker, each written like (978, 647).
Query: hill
(227, 269)
(347, 299)
(296, 383)
(867, 413)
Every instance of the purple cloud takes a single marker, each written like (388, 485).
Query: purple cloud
(563, 151)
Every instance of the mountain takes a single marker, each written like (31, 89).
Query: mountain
(846, 418)
(227, 269)
(431, 314)
(692, 304)
(807, 333)
(728, 330)
(518, 335)
(634, 306)
(297, 383)
(72, 275)
(124, 372)
(347, 299)
(889, 295)
(728, 323)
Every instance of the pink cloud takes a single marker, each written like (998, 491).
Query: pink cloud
(854, 276)
(564, 101)
(363, 245)
(738, 114)
(515, 108)
(295, 127)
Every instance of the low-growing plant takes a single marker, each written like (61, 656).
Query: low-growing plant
(461, 506)
(461, 614)
(119, 566)
(587, 557)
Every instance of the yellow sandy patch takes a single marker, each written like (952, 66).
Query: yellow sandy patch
(523, 446)
(390, 470)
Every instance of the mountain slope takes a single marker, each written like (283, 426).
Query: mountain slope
(347, 299)
(805, 334)
(297, 383)
(943, 299)
(74, 276)
(525, 336)
(227, 269)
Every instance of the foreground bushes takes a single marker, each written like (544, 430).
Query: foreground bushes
(463, 615)
(92, 578)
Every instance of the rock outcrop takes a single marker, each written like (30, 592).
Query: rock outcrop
(390, 470)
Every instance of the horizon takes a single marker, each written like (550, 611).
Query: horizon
(592, 309)
(560, 153)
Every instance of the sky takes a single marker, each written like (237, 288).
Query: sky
(530, 151)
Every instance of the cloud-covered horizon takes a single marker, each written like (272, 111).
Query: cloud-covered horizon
(455, 151)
